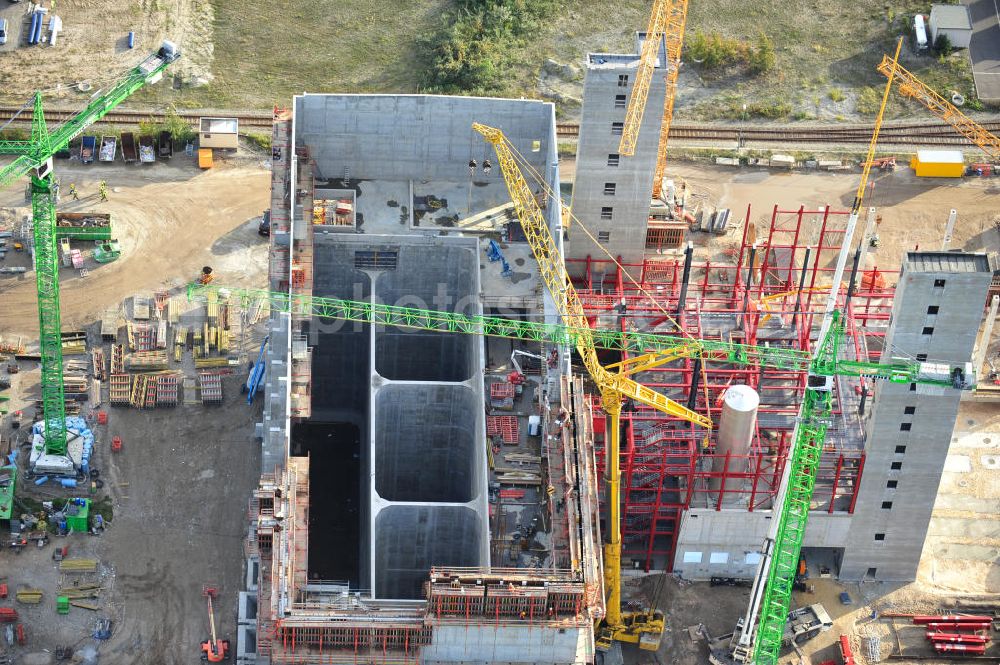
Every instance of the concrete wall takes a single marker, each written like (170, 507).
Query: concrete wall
(633, 177)
(913, 460)
(482, 645)
(727, 543)
(416, 137)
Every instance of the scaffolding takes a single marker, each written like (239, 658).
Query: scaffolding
(769, 290)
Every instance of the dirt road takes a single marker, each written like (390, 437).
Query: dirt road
(171, 219)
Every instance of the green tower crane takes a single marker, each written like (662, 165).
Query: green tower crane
(35, 157)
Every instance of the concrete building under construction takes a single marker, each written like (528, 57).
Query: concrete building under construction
(418, 505)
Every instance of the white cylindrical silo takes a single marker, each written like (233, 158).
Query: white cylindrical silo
(736, 429)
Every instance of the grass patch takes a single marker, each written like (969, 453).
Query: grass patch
(259, 140)
(836, 95)
(567, 148)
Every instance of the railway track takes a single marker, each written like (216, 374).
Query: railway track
(898, 133)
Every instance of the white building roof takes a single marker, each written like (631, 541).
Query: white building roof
(950, 17)
(940, 156)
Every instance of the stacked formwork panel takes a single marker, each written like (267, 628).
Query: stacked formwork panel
(769, 291)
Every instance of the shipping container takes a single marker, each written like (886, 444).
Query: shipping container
(938, 164)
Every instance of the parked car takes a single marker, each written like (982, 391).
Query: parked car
(265, 224)
(3, 31)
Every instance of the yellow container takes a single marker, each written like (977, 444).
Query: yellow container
(938, 164)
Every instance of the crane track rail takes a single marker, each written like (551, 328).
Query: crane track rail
(901, 133)
(127, 117)
(891, 134)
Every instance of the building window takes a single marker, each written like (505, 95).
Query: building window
(921, 357)
(879, 537)
(895, 466)
(938, 283)
(928, 330)
(887, 505)
(718, 557)
(905, 427)
(933, 309)
(614, 159)
(692, 557)
(606, 212)
(609, 188)
(623, 80)
(900, 450)
(891, 484)
(871, 573)
(604, 236)
(619, 101)
(617, 128)
(913, 387)
(909, 410)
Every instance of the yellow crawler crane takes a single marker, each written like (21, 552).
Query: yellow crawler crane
(645, 627)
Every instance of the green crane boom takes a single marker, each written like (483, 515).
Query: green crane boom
(825, 364)
(35, 157)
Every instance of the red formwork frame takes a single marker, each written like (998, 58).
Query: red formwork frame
(667, 467)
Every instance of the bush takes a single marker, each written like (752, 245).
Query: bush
(868, 102)
(713, 51)
(178, 127)
(762, 58)
(942, 45)
(836, 95)
(477, 42)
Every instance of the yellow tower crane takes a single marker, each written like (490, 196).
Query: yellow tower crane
(645, 627)
(909, 85)
(667, 20)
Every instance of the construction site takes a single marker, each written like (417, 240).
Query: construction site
(411, 385)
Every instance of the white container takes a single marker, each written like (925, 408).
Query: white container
(920, 30)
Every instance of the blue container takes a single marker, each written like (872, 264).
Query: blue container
(131, 40)
(68, 482)
(42, 480)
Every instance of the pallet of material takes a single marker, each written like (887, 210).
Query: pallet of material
(117, 358)
(85, 606)
(211, 387)
(29, 596)
(78, 566)
(216, 361)
(74, 348)
(166, 390)
(74, 385)
(146, 360)
(140, 309)
(99, 365)
(109, 325)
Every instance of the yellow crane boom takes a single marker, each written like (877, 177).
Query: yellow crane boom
(642, 628)
(667, 20)
(643, 77)
(910, 86)
(673, 33)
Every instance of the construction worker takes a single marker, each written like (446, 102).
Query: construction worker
(72, 191)
(103, 191)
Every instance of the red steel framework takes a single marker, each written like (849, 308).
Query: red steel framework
(769, 289)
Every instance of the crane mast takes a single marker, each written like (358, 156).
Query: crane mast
(771, 593)
(35, 157)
